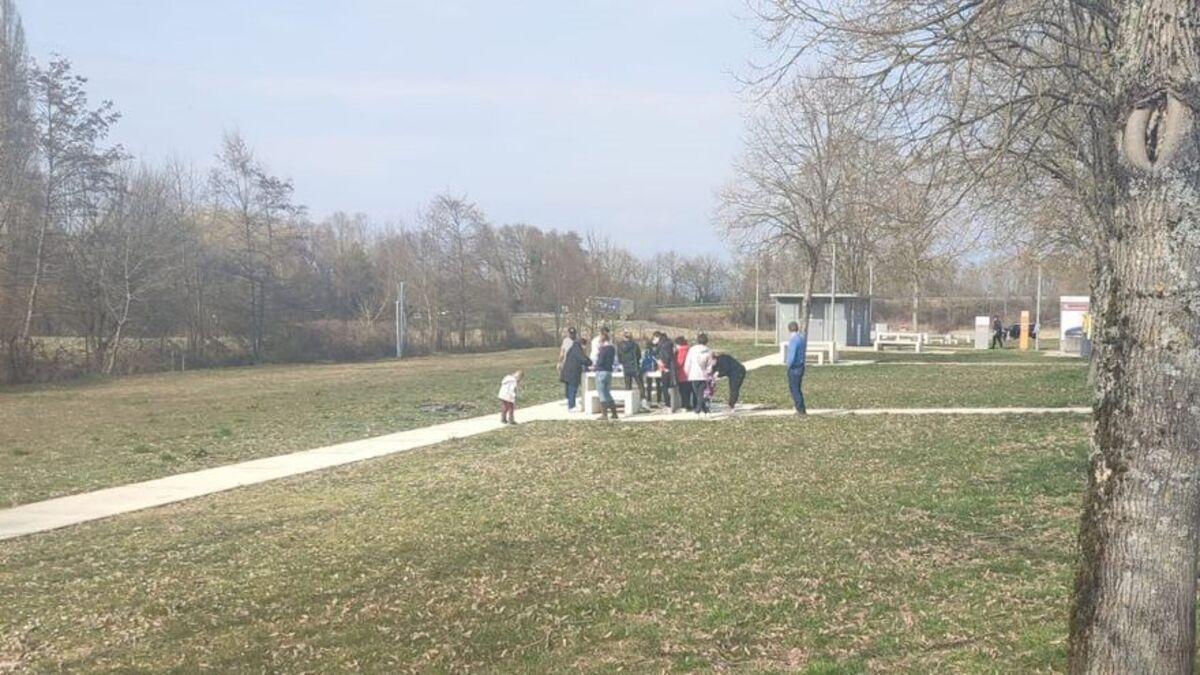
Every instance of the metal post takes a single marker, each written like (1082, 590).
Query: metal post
(870, 297)
(757, 292)
(400, 320)
(1037, 321)
(833, 297)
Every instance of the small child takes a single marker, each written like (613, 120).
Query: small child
(508, 397)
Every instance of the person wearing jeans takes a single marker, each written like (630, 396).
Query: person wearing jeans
(797, 352)
(698, 366)
(605, 357)
(574, 364)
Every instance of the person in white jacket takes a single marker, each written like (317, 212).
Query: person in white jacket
(508, 396)
(698, 366)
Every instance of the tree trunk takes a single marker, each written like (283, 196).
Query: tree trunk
(1135, 591)
(916, 304)
(806, 302)
(35, 283)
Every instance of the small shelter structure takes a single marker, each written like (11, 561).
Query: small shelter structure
(850, 326)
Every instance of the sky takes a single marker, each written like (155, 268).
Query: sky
(620, 117)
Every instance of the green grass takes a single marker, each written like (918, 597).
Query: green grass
(63, 439)
(907, 386)
(829, 545)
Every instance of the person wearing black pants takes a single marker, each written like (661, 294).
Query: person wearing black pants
(733, 370)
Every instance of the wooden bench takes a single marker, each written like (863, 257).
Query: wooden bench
(895, 339)
(820, 351)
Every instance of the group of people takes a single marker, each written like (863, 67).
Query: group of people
(670, 373)
(666, 372)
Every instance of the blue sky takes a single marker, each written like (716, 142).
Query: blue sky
(618, 116)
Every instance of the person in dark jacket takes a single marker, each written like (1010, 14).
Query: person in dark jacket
(606, 357)
(997, 333)
(650, 365)
(732, 369)
(666, 365)
(629, 354)
(574, 364)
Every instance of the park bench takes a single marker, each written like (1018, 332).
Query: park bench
(948, 339)
(897, 339)
(628, 398)
(820, 351)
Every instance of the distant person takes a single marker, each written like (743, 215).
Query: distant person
(797, 353)
(650, 365)
(600, 338)
(730, 368)
(574, 366)
(666, 366)
(698, 366)
(508, 397)
(571, 338)
(606, 357)
(681, 376)
(997, 333)
(629, 354)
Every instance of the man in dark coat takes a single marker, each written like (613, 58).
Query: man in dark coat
(574, 364)
(666, 363)
(729, 367)
(629, 355)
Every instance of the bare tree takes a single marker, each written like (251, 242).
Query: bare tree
(1099, 97)
(255, 204)
(794, 184)
(74, 170)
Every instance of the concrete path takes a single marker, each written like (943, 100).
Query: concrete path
(71, 510)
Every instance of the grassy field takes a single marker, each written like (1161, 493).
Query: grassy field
(63, 439)
(903, 386)
(824, 545)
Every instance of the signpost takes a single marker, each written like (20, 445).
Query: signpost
(1025, 330)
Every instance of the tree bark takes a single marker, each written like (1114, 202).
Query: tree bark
(806, 302)
(916, 303)
(1135, 592)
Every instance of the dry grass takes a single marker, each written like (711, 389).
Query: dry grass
(821, 545)
(68, 438)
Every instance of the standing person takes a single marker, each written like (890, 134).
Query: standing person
(650, 365)
(681, 375)
(666, 365)
(508, 397)
(600, 338)
(997, 333)
(574, 365)
(797, 352)
(698, 366)
(629, 354)
(605, 358)
(571, 338)
(728, 367)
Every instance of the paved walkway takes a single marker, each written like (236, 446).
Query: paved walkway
(71, 510)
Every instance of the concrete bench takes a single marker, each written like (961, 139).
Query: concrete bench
(914, 340)
(819, 351)
(627, 398)
(947, 339)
